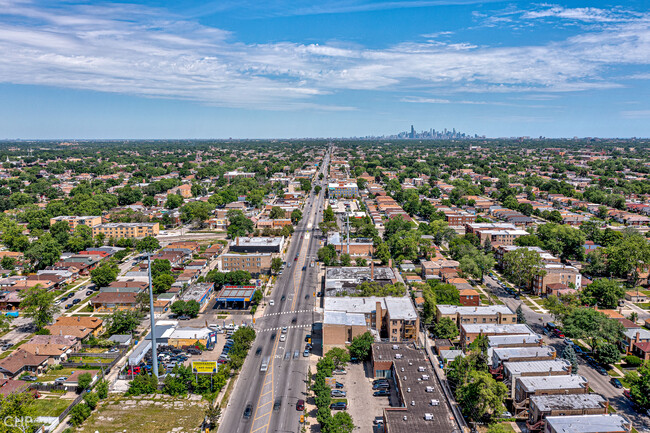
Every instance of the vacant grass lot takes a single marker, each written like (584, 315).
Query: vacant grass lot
(146, 414)
(53, 406)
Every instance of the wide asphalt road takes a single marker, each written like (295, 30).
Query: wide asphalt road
(284, 381)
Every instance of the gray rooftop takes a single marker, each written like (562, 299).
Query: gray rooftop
(534, 383)
(547, 403)
(494, 328)
(359, 274)
(505, 353)
(398, 308)
(344, 318)
(504, 340)
(588, 424)
(488, 310)
(518, 368)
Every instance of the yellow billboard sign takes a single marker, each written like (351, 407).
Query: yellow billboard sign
(204, 366)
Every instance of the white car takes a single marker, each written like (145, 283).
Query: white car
(271, 302)
(283, 338)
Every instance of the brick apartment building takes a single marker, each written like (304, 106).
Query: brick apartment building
(556, 274)
(255, 263)
(74, 221)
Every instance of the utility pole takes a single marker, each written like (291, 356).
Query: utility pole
(154, 355)
(347, 215)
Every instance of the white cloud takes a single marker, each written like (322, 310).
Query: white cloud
(155, 54)
(636, 114)
(588, 14)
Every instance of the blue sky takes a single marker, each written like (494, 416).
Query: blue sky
(328, 68)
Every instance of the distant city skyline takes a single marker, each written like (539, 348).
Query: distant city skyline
(208, 69)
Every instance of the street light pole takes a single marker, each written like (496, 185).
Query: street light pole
(154, 355)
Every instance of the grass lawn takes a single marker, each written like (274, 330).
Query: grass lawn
(161, 414)
(53, 374)
(645, 306)
(89, 359)
(50, 406)
(507, 427)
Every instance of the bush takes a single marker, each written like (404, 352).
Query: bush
(79, 413)
(632, 361)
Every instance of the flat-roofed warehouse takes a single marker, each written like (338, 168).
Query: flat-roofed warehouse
(542, 406)
(410, 373)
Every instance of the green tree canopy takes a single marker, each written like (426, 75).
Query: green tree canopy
(38, 304)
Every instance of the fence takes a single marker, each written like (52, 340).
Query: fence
(97, 355)
(67, 410)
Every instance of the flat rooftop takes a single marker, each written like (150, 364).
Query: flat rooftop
(359, 274)
(487, 310)
(494, 328)
(344, 318)
(416, 403)
(505, 353)
(534, 383)
(397, 307)
(503, 340)
(588, 424)
(259, 240)
(236, 293)
(518, 368)
(547, 403)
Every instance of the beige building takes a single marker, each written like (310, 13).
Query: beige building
(127, 230)
(495, 314)
(74, 221)
(391, 318)
(255, 263)
(557, 274)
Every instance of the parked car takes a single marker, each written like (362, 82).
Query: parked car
(376, 381)
(381, 393)
(337, 393)
(339, 405)
(89, 292)
(338, 385)
(184, 317)
(68, 306)
(305, 353)
(601, 370)
(300, 405)
(28, 378)
(76, 301)
(617, 383)
(340, 371)
(383, 385)
(307, 338)
(60, 380)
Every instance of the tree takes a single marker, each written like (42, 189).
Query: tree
(445, 328)
(43, 252)
(584, 322)
(189, 308)
(328, 214)
(346, 260)
(327, 226)
(341, 422)
(123, 322)
(15, 406)
(79, 413)
(238, 224)
(143, 384)
(81, 238)
(148, 244)
(628, 255)
(160, 266)
(640, 386)
(603, 292)
(174, 201)
(104, 274)
(162, 283)
(361, 346)
(276, 264)
(60, 231)
(102, 389)
(8, 262)
(276, 213)
(213, 413)
(520, 315)
(522, 265)
(570, 355)
(607, 353)
(84, 381)
(149, 201)
(38, 304)
(327, 254)
(481, 396)
(340, 357)
(446, 294)
(296, 216)
(596, 263)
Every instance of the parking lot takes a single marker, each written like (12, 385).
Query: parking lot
(362, 405)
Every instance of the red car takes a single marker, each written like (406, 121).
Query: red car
(300, 405)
